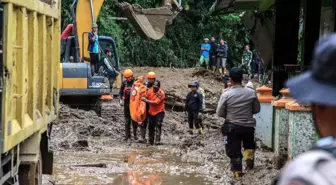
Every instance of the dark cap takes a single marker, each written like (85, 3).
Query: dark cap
(156, 84)
(107, 50)
(236, 74)
(318, 85)
(193, 84)
(235, 71)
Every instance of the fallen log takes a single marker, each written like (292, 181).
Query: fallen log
(213, 126)
(209, 111)
(100, 165)
(179, 107)
(171, 97)
(175, 106)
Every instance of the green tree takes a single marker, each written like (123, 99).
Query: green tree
(180, 46)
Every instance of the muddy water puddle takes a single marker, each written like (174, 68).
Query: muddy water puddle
(119, 164)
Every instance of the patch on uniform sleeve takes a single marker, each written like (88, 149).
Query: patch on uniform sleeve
(158, 95)
(134, 92)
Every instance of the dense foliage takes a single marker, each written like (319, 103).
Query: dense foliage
(181, 45)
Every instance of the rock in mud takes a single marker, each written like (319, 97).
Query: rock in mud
(81, 144)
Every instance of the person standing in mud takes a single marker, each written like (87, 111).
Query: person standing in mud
(318, 165)
(205, 49)
(202, 92)
(151, 77)
(221, 52)
(193, 106)
(237, 105)
(247, 61)
(155, 98)
(213, 50)
(124, 94)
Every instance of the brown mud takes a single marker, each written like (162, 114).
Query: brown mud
(90, 150)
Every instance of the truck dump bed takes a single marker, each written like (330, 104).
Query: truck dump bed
(30, 68)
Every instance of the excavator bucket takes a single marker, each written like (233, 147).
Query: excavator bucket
(149, 23)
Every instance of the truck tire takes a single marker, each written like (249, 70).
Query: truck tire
(31, 174)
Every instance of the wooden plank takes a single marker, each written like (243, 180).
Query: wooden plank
(42, 63)
(39, 7)
(32, 64)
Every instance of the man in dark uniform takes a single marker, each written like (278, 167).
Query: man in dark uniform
(124, 95)
(318, 88)
(193, 107)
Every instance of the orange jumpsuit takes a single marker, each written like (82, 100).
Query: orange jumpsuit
(156, 114)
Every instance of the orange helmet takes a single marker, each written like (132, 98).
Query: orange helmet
(128, 73)
(151, 75)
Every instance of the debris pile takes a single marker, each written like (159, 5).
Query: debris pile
(81, 130)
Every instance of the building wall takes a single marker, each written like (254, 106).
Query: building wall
(327, 21)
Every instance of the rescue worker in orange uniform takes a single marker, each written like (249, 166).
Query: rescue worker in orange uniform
(124, 94)
(155, 98)
(151, 77)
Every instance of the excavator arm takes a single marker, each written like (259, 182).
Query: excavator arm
(84, 13)
(151, 23)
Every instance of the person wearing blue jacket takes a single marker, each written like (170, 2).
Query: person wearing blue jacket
(93, 48)
(205, 53)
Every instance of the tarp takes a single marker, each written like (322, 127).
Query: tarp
(138, 107)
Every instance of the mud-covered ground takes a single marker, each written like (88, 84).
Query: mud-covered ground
(90, 150)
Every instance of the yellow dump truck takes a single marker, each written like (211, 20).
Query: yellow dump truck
(29, 86)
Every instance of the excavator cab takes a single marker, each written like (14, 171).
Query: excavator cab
(151, 23)
(77, 85)
(104, 42)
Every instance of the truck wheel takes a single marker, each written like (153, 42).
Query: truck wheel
(31, 174)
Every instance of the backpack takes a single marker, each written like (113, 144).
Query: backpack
(314, 167)
(127, 90)
(202, 92)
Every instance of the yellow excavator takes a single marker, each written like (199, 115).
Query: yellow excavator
(77, 86)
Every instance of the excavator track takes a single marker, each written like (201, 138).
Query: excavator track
(107, 108)
(108, 105)
(83, 102)
(149, 23)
